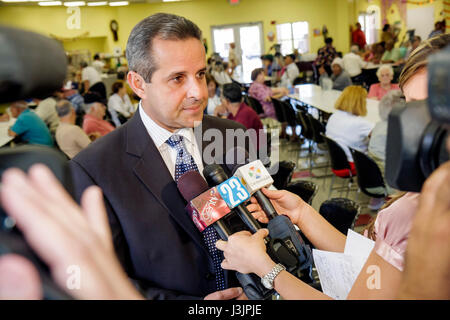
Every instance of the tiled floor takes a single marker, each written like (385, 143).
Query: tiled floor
(287, 152)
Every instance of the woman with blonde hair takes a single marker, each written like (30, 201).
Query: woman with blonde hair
(346, 125)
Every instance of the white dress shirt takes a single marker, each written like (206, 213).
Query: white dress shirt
(353, 64)
(288, 77)
(160, 135)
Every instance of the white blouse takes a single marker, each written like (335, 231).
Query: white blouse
(349, 130)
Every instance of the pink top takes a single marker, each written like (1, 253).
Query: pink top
(392, 228)
(376, 91)
(260, 92)
(92, 124)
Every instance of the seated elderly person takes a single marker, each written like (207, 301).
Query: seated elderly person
(264, 94)
(237, 109)
(378, 137)
(391, 54)
(340, 77)
(46, 111)
(93, 123)
(347, 126)
(70, 138)
(353, 63)
(385, 74)
(119, 104)
(289, 72)
(29, 127)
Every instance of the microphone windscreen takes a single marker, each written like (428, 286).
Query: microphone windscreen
(191, 184)
(32, 65)
(236, 158)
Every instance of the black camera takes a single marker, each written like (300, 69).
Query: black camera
(31, 66)
(418, 130)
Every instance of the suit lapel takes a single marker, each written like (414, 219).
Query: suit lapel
(153, 173)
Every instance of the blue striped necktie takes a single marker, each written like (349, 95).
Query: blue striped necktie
(184, 163)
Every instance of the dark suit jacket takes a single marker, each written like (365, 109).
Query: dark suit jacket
(155, 240)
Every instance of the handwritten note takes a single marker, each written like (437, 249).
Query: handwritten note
(338, 271)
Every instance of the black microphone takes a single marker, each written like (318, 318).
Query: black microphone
(215, 175)
(33, 66)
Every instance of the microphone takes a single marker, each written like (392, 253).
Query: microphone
(232, 189)
(35, 66)
(255, 176)
(207, 207)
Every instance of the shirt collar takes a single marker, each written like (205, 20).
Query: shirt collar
(159, 134)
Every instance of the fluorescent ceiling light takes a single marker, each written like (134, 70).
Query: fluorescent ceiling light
(50, 3)
(75, 4)
(95, 4)
(118, 3)
(170, 0)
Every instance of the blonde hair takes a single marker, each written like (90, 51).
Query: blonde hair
(353, 100)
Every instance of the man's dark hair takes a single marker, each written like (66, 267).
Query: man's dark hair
(292, 56)
(268, 57)
(386, 27)
(162, 26)
(329, 40)
(96, 56)
(232, 92)
(256, 72)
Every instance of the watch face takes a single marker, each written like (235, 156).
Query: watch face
(266, 283)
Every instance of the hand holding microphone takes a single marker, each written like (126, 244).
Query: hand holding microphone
(246, 253)
(284, 202)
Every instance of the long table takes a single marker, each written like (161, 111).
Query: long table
(324, 100)
(4, 126)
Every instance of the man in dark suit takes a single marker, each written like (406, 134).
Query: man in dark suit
(137, 166)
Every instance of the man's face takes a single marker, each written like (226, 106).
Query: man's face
(288, 60)
(15, 112)
(177, 94)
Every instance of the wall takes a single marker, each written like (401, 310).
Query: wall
(394, 15)
(334, 13)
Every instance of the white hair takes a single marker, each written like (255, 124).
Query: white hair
(390, 100)
(88, 106)
(385, 67)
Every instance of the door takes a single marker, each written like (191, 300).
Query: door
(248, 40)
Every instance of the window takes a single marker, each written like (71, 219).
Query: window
(367, 22)
(293, 36)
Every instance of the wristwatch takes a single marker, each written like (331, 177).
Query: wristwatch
(269, 278)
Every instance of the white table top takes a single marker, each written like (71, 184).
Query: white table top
(4, 137)
(324, 100)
